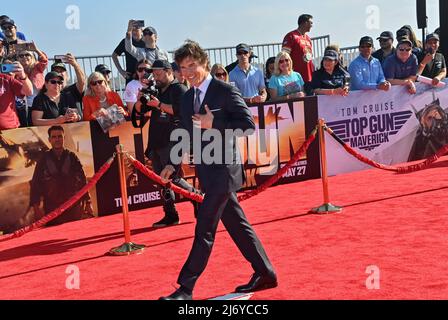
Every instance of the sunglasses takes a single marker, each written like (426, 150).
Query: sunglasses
(282, 61)
(148, 33)
(240, 53)
(384, 40)
(24, 55)
(8, 28)
(220, 74)
(95, 83)
(403, 49)
(142, 69)
(59, 82)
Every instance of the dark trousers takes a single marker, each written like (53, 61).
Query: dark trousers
(224, 207)
(160, 158)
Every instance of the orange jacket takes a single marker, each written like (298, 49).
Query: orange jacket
(92, 104)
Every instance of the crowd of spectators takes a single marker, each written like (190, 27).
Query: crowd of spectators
(29, 97)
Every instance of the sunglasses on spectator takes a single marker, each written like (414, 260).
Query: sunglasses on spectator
(147, 33)
(95, 83)
(384, 40)
(405, 49)
(8, 28)
(220, 74)
(59, 82)
(142, 69)
(240, 53)
(282, 61)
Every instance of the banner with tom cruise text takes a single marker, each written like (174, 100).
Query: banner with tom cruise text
(388, 127)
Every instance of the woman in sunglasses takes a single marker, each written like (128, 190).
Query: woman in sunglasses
(131, 94)
(285, 83)
(99, 97)
(50, 107)
(34, 69)
(219, 72)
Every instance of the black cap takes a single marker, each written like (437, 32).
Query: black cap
(161, 65)
(432, 36)
(102, 68)
(242, 47)
(386, 35)
(331, 54)
(149, 30)
(7, 21)
(366, 39)
(405, 40)
(52, 75)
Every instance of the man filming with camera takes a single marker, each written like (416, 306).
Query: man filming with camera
(432, 63)
(164, 104)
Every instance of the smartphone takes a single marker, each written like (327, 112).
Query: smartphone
(430, 50)
(61, 57)
(7, 68)
(25, 46)
(139, 23)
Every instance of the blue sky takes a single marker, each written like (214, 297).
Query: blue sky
(213, 23)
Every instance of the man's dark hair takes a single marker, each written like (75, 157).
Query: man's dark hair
(54, 128)
(192, 49)
(304, 18)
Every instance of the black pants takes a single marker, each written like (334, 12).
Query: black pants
(224, 207)
(160, 159)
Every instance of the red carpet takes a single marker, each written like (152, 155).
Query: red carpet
(396, 222)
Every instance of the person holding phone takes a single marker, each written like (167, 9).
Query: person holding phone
(432, 64)
(11, 87)
(131, 62)
(51, 107)
(151, 51)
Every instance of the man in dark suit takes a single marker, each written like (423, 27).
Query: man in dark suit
(213, 104)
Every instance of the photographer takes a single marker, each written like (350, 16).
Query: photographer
(432, 64)
(165, 110)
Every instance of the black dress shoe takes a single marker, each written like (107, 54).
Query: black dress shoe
(178, 295)
(258, 282)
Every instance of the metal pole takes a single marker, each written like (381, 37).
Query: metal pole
(128, 247)
(327, 207)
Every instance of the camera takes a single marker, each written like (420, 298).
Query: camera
(151, 90)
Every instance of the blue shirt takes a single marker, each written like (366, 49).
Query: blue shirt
(20, 36)
(394, 68)
(366, 74)
(249, 84)
(287, 84)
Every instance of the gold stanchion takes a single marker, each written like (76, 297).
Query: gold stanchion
(128, 247)
(327, 207)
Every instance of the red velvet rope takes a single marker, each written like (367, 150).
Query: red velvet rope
(157, 179)
(59, 211)
(275, 178)
(401, 170)
(198, 198)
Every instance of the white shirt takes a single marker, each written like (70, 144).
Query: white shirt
(204, 87)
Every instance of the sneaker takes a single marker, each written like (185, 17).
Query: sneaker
(166, 222)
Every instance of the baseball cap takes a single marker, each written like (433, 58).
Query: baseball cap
(432, 36)
(242, 47)
(331, 54)
(102, 68)
(161, 65)
(58, 65)
(53, 74)
(149, 30)
(386, 35)
(366, 39)
(8, 21)
(405, 40)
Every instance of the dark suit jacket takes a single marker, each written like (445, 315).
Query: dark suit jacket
(230, 112)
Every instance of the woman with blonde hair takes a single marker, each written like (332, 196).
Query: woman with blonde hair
(99, 96)
(285, 83)
(219, 72)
